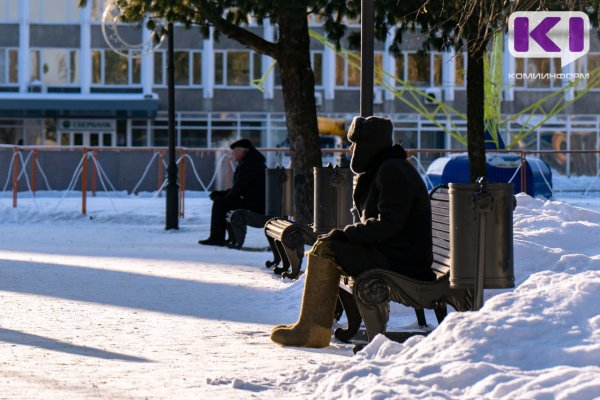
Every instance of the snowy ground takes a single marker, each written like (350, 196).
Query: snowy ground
(115, 307)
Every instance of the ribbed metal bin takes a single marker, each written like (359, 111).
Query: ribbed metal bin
(279, 196)
(333, 198)
(498, 246)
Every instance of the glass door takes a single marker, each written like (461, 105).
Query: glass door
(88, 139)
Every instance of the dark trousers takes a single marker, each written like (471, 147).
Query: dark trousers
(353, 258)
(220, 207)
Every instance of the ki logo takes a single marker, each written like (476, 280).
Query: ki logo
(549, 34)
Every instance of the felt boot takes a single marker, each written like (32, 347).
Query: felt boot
(313, 328)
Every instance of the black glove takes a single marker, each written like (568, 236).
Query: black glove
(334, 234)
(216, 193)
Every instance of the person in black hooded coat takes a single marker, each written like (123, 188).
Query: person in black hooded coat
(247, 191)
(393, 231)
(392, 208)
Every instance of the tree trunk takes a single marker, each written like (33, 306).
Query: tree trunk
(298, 84)
(475, 114)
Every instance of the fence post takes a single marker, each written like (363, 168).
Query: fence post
(15, 181)
(33, 171)
(161, 172)
(84, 178)
(94, 173)
(182, 153)
(523, 172)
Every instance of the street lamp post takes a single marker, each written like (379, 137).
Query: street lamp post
(367, 38)
(172, 184)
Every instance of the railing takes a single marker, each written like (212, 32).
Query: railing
(118, 177)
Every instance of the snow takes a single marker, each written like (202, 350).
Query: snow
(115, 307)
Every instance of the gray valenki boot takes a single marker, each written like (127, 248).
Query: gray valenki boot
(313, 328)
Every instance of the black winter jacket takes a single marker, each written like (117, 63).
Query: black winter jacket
(395, 213)
(249, 182)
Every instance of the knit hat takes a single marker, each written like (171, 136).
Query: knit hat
(244, 143)
(370, 136)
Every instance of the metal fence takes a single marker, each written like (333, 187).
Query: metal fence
(121, 178)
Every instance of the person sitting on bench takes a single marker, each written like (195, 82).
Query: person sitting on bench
(394, 231)
(247, 192)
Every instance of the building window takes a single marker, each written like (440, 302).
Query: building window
(55, 67)
(159, 68)
(420, 69)
(196, 70)
(588, 64)
(237, 68)
(400, 73)
(593, 63)
(181, 62)
(347, 75)
(194, 133)
(11, 131)
(188, 68)
(9, 10)
(316, 60)
(139, 133)
(112, 69)
(460, 69)
(424, 69)
(542, 68)
(9, 73)
(34, 66)
(54, 11)
(378, 64)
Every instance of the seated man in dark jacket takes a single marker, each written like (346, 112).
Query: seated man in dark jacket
(394, 231)
(247, 192)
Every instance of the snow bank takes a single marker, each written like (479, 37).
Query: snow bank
(541, 339)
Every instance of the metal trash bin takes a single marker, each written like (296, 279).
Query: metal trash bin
(498, 234)
(279, 196)
(333, 198)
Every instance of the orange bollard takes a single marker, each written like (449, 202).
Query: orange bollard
(84, 177)
(15, 176)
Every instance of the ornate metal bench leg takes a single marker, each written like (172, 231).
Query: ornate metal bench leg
(284, 260)
(276, 257)
(421, 316)
(230, 233)
(239, 234)
(295, 257)
(353, 315)
(440, 312)
(375, 317)
(372, 298)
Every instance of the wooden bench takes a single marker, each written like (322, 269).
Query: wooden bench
(367, 296)
(287, 240)
(237, 223)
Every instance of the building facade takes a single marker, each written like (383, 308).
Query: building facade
(62, 85)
